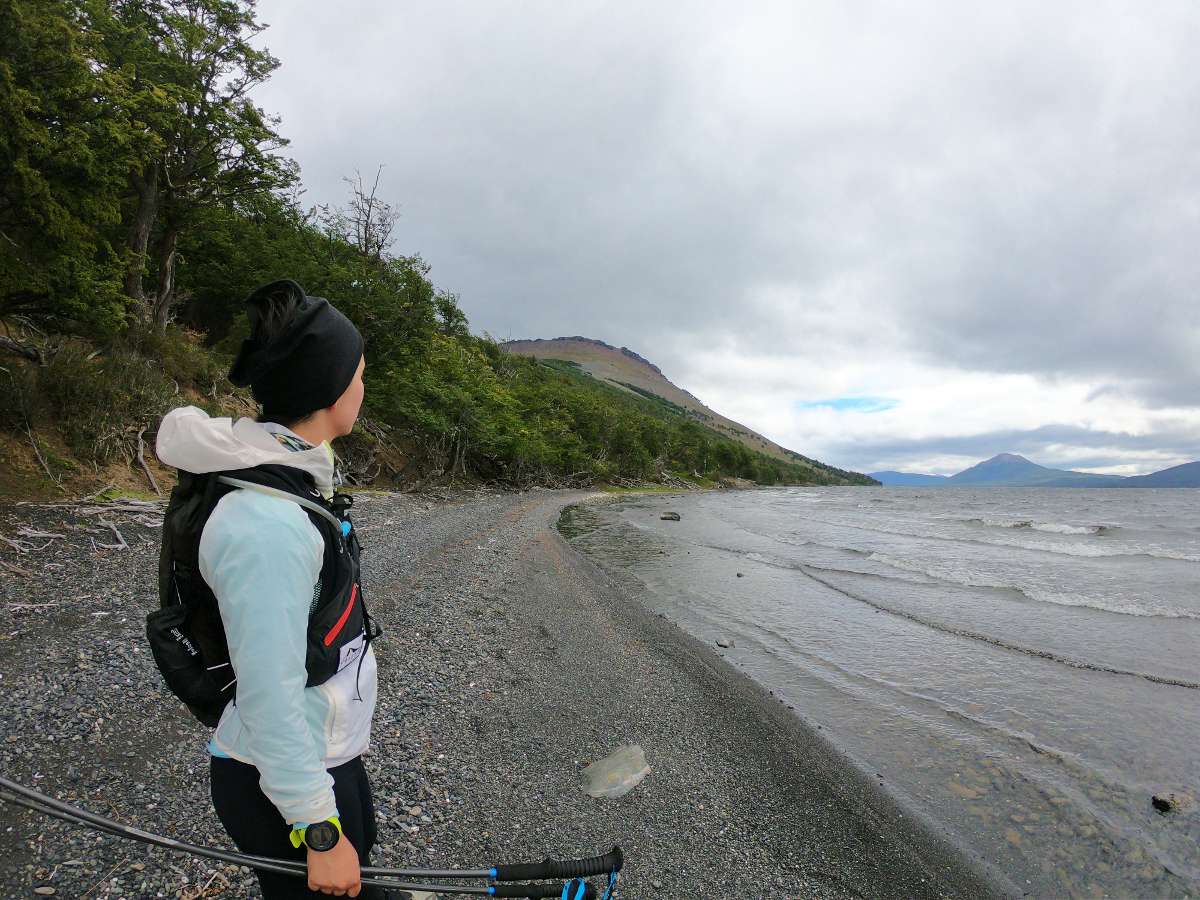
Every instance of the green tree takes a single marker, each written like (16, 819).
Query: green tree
(65, 150)
(192, 66)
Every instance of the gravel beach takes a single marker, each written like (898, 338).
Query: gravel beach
(508, 664)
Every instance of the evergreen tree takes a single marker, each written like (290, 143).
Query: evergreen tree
(65, 148)
(193, 67)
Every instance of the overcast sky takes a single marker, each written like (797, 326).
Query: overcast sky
(898, 235)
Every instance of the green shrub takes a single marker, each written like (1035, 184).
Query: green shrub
(98, 404)
(18, 390)
(181, 353)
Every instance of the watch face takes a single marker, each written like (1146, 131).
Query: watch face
(321, 836)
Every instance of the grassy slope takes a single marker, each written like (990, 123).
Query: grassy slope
(610, 366)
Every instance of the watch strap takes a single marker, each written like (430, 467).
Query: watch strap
(299, 829)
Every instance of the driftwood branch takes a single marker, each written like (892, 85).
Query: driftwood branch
(142, 461)
(16, 545)
(104, 490)
(127, 506)
(26, 322)
(26, 531)
(38, 453)
(26, 350)
(120, 537)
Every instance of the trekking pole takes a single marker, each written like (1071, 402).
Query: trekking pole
(370, 876)
(610, 863)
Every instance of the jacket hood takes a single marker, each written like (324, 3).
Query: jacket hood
(189, 439)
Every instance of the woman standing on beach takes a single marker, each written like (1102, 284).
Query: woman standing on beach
(286, 760)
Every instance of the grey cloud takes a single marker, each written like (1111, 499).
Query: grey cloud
(1010, 188)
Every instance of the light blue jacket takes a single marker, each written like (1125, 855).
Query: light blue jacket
(262, 556)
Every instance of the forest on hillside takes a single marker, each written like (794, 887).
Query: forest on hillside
(143, 194)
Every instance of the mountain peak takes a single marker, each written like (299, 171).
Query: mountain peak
(1007, 458)
(1004, 468)
(521, 342)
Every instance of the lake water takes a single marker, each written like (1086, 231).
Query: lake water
(1021, 667)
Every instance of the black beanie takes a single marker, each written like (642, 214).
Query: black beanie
(308, 363)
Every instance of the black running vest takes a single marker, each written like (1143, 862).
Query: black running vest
(186, 634)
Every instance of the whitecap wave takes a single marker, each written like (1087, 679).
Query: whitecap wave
(1128, 606)
(1099, 550)
(1124, 605)
(1010, 538)
(1050, 527)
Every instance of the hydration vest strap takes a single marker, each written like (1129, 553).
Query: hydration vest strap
(284, 495)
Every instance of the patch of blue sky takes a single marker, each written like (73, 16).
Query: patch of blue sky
(852, 404)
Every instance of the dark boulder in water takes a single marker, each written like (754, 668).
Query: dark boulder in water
(1164, 804)
(670, 516)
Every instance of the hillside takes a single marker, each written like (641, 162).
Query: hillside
(626, 370)
(1186, 475)
(908, 479)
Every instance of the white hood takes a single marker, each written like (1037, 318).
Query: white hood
(189, 439)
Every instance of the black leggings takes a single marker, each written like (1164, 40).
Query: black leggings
(257, 827)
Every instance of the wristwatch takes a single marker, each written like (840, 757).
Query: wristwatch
(319, 835)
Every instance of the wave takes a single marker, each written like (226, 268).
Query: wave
(1093, 552)
(776, 563)
(1080, 548)
(1142, 607)
(1131, 606)
(1050, 527)
(999, 642)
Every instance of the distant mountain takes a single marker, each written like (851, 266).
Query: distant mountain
(1187, 475)
(909, 479)
(1011, 470)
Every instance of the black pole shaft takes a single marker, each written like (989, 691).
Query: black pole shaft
(129, 831)
(13, 792)
(283, 867)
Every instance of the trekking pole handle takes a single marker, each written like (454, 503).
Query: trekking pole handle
(561, 868)
(535, 890)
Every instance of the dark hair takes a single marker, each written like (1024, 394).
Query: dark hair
(274, 310)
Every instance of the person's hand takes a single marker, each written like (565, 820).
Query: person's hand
(335, 871)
